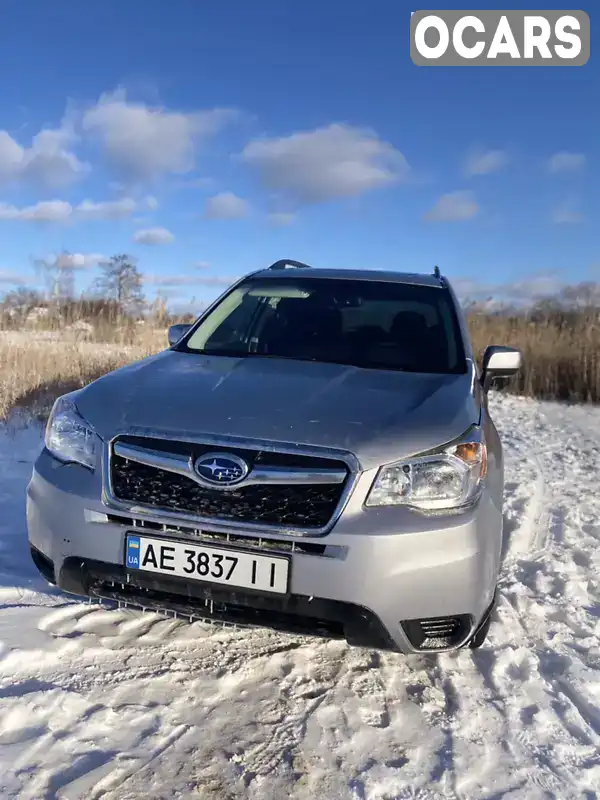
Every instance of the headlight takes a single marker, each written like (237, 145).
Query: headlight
(68, 436)
(446, 480)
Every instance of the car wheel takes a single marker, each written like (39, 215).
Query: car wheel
(482, 631)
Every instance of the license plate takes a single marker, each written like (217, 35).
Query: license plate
(208, 564)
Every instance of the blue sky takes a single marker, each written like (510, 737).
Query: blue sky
(209, 139)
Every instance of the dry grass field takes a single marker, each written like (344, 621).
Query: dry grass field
(34, 369)
(561, 351)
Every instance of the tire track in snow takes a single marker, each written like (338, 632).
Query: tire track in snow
(117, 778)
(532, 661)
(532, 536)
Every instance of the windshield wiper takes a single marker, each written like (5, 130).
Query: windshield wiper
(252, 354)
(227, 353)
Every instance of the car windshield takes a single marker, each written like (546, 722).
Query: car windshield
(363, 323)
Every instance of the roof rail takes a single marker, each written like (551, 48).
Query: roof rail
(441, 278)
(287, 262)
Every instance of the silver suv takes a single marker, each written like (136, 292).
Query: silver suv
(315, 454)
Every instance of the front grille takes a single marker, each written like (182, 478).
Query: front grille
(303, 506)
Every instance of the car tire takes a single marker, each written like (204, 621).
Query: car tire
(481, 633)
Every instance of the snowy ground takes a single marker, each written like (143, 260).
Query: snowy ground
(118, 705)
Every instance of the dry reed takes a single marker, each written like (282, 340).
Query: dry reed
(561, 352)
(34, 372)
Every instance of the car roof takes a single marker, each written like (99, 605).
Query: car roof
(414, 278)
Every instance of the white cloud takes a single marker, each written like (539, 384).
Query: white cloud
(12, 277)
(107, 210)
(535, 288)
(216, 280)
(468, 287)
(563, 216)
(49, 161)
(281, 218)
(567, 213)
(167, 280)
(566, 162)
(194, 183)
(60, 211)
(482, 162)
(80, 260)
(187, 279)
(201, 265)
(153, 236)
(71, 261)
(454, 207)
(143, 142)
(151, 203)
(47, 211)
(530, 289)
(226, 205)
(11, 157)
(336, 161)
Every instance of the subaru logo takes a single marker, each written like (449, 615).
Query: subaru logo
(221, 469)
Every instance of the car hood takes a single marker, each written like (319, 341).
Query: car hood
(377, 415)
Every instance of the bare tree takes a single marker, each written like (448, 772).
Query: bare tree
(58, 274)
(581, 295)
(121, 282)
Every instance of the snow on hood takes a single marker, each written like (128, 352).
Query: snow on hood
(377, 415)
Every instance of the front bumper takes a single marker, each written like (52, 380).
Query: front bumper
(383, 578)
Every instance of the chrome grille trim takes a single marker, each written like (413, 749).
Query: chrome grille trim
(210, 523)
(180, 465)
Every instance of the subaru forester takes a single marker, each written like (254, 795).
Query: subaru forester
(314, 454)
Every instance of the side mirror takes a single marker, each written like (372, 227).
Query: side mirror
(176, 332)
(498, 363)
